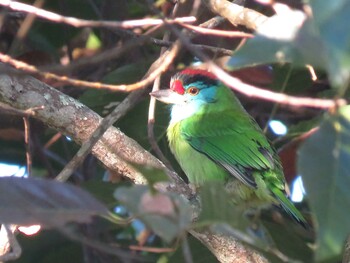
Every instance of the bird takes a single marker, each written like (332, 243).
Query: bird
(213, 138)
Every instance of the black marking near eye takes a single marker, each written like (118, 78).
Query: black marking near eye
(197, 78)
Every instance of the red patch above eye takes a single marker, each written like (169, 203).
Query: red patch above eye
(178, 87)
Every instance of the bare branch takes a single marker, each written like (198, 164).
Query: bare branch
(217, 32)
(346, 256)
(236, 14)
(76, 22)
(81, 83)
(27, 142)
(227, 249)
(152, 105)
(268, 95)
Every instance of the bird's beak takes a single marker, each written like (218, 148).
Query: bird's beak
(168, 96)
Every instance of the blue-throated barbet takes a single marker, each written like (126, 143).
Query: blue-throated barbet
(214, 138)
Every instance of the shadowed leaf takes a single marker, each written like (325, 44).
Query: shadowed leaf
(328, 16)
(167, 215)
(219, 211)
(29, 201)
(152, 174)
(324, 164)
(304, 48)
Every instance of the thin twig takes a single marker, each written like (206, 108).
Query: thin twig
(27, 140)
(53, 139)
(312, 72)
(152, 107)
(116, 52)
(186, 250)
(112, 250)
(152, 249)
(76, 22)
(217, 32)
(256, 92)
(213, 22)
(150, 127)
(87, 146)
(81, 83)
(10, 248)
(27, 143)
(24, 28)
(276, 105)
(7, 109)
(106, 55)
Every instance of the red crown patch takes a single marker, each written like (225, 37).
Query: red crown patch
(177, 87)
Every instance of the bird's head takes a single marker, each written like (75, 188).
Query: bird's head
(194, 91)
(189, 86)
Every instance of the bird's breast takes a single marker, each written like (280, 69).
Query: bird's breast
(180, 112)
(197, 166)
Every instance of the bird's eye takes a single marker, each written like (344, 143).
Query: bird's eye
(193, 91)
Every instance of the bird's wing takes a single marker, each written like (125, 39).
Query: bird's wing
(232, 140)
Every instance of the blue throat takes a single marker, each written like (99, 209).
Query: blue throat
(193, 104)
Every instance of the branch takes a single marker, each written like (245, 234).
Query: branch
(76, 22)
(82, 83)
(227, 249)
(236, 14)
(346, 255)
(255, 92)
(217, 32)
(77, 121)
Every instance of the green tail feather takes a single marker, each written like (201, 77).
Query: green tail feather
(289, 207)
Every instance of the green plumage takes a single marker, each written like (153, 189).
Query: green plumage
(219, 140)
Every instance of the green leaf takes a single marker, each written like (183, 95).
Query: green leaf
(219, 212)
(103, 191)
(30, 201)
(304, 48)
(298, 82)
(290, 242)
(50, 36)
(93, 42)
(331, 18)
(217, 206)
(198, 251)
(167, 215)
(152, 174)
(303, 126)
(324, 164)
(49, 246)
